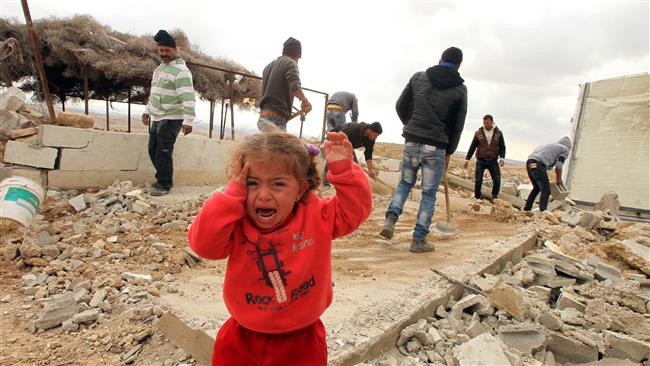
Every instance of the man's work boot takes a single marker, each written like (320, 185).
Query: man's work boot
(389, 226)
(421, 246)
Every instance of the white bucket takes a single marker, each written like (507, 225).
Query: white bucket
(20, 199)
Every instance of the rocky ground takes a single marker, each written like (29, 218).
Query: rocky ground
(83, 284)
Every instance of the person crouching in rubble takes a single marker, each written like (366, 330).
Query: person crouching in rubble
(277, 235)
(545, 157)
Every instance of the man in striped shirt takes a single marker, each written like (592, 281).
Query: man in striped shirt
(170, 107)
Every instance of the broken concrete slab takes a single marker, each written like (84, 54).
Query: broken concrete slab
(456, 181)
(609, 202)
(571, 218)
(484, 350)
(524, 338)
(468, 302)
(57, 311)
(625, 347)
(78, 203)
(606, 272)
(23, 132)
(567, 300)
(509, 299)
(570, 350)
(194, 341)
(639, 250)
(69, 137)
(30, 155)
(553, 282)
(549, 320)
(589, 220)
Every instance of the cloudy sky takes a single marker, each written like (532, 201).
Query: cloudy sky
(523, 60)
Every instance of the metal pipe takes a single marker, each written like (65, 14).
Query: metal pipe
(322, 135)
(107, 126)
(39, 61)
(232, 109)
(128, 104)
(211, 118)
(221, 117)
(86, 88)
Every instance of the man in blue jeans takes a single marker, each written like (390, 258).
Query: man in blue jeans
(432, 108)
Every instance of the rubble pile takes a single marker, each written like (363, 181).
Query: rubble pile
(17, 120)
(97, 258)
(568, 302)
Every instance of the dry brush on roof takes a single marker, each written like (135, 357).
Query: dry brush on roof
(115, 62)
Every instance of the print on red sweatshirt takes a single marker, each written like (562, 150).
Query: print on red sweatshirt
(280, 281)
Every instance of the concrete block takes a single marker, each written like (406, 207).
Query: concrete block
(35, 174)
(57, 311)
(11, 121)
(390, 178)
(571, 218)
(567, 300)
(485, 349)
(510, 188)
(468, 302)
(30, 155)
(475, 328)
(509, 299)
(193, 341)
(541, 293)
(107, 151)
(13, 99)
(569, 350)
(625, 347)
(525, 339)
(58, 136)
(558, 193)
(391, 165)
(541, 265)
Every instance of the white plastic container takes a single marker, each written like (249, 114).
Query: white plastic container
(20, 199)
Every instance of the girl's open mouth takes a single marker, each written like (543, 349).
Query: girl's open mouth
(266, 213)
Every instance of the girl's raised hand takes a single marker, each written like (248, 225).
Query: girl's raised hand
(239, 171)
(338, 147)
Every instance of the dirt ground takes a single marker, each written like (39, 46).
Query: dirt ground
(366, 269)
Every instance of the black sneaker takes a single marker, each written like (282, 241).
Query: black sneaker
(158, 191)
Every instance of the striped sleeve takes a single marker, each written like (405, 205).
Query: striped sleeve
(185, 92)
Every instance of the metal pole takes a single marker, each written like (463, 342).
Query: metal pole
(86, 88)
(221, 117)
(63, 105)
(322, 136)
(211, 118)
(128, 106)
(39, 61)
(107, 126)
(232, 109)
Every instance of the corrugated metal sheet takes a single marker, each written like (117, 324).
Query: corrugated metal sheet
(612, 142)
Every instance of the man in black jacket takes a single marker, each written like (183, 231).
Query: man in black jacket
(432, 108)
(490, 150)
(361, 134)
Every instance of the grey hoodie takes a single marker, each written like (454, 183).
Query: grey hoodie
(552, 154)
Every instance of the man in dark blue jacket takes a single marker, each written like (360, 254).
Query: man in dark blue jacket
(432, 108)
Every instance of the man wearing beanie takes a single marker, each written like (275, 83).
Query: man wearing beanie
(432, 108)
(170, 107)
(280, 83)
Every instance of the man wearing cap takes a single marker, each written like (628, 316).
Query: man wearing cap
(361, 134)
(432, 108)
(337, 106)
(490, 150)
(280, 83)
(170, 107)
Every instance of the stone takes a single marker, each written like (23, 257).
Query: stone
(571, 218)
(413, 345)
(589, 220)
(625, 347)
(78, 203)
(37, 262)
(69, 326)
(550, 320)
(57, 311)
(134, 276)
(606, 272)
(569, 350)
(468, 303)
(609, 202)
(30, 155)
(475, 328)
(525, 339)
(571, 316)
(554, 281)
(141, 207)
(510, 188)
(509, 299)
(6, 299)
(13, 99)
(77, 120)
(541, 293)
(541, 265)
(637, 249)
(567, 300)
(98, 298)
(484, 350)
